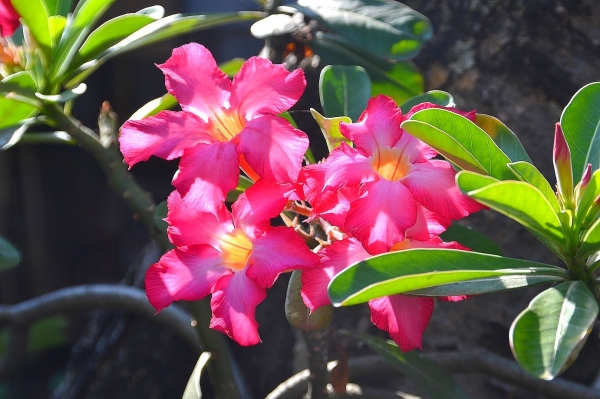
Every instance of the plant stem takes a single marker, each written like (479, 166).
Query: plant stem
(317, 343)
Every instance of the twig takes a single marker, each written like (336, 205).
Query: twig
(475, 361)
(317, 344)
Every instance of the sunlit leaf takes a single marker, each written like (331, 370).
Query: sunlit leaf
(56, 24)
(65, 96)
(426, 125)
(401, 80)
(433, 96)
(12, 110)
(153, 107)
(11, 135)
(298, 314)
(9, 255)
(243, 184)
(192, 389)
(425, 373)
(580, 122)
(527, 205)
(526, 172)
(231, 67)
(330, 127)
(504, 138)
(547, 336)
(436, 272)
(34, 14)
(344, 90)
(385, 28)
(273, 25)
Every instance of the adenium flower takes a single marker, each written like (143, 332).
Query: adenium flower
(233, 256)
(223, 126)
(9, 19)
(404, 317)
(373, 190)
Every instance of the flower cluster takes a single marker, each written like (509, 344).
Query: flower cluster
(385, 193)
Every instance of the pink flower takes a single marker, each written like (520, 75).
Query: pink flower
(223, 125)
(9, 19)
(373, 190)
(404, 317)
(235, 257)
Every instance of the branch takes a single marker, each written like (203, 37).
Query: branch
(470, 362)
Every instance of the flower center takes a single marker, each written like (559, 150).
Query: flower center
(236, 248)
(226, 125)
(390, 164)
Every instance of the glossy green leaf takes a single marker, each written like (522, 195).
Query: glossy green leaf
(56, 24)
(243, 184)
(436, 272)
(344, 90)
(65, 96)
(426, 125)
(590, 242)
(547, 336)
(55, 137)
(9, 255)
(11, 135)
(503, 137)
(526, 172)
(385, 28)
(298, 314)
(231, 67)
(164, 28)
(192, 389)
(12, 110)
(425, 373)
(433, 96)
(580, 122)
(330, 127)
(111, 32)
(527, 205)
(34, 14)
(78, 26)
(153, 107)
(471, 239)
(59, 7)
(469, 181)
(401, 80)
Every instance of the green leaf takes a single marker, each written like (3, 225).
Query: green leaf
(590, 242)
(231, 67)
(469, 181)
(79, 24)
(452, 134)
(503, 137)
(436, 272)
(427, 374)
(273, 25)
(192, 389)
(12, 110)
(330, 127)
(591, 192)
(472, 239)
(401, 80)
(344, 90)
(9, 255)
(11, 135)
(111, 32)
(63, 7)
(56, 24)
(160, 214)
(526, 172)
(580, 122)
(298, 314)
(385, 28)
(527, 205)
(65, 96)
(34, 14)
(547, 336)
(48, 333)
(433, 96)
(164, 28)
(243, 184)
(153, 107)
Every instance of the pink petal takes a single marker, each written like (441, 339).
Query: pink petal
(273, 148)
(193, 77)
(190, 226)
(333, 205)
(414, 149)
(279, 249)
(378, 126)
(432, 184)
(207, 172)
(255, 208)
(382, 215)
(261, 88)
(165, 135)
(183, 274)
(233, 303)
(428, 224)
(403, 317)
(9, 19)
(334, 259)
